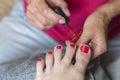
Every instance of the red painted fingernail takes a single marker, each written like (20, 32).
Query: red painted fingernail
(72, 45)
(84, 49)
(58, 47)
(50, 52)
(39, 59)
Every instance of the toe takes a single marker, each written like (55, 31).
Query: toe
(40, 67)
(70, 52)
(49, 60)
(57, 54)
(82, 57)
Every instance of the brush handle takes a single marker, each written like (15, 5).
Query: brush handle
(60, 12)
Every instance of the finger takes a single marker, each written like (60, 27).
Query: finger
(49, 14)
(35, 13)
(60, 3)
(37, 20)
(40, 12)
(33, 21)
(52, 16)
(45, 15)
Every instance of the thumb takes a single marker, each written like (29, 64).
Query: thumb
(84, 39)
(60, 3)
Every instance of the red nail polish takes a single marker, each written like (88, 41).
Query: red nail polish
(72, 45)
(39, 59)
(84, 49)
(50, 52)
(58, 47)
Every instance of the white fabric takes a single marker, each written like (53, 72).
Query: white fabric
(111, 59)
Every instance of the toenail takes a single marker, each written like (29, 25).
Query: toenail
(84, 49)
(58, 47)
(50, 52)
(39, 59)
(72, 45)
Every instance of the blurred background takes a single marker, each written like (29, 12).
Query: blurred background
(5, 6)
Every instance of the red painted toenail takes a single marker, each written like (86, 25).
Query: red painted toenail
(39, 59)
(58, 47)
(50, 52)
(84, 49)
(72, 45)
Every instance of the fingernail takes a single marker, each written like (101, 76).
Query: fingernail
(50, 52)
(72, 45)
(39, 59)
(84, 49)
(61, 21)
(58, 47)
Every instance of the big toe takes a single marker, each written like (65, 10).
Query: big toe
(82, 57)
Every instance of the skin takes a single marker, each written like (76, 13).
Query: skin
(97, 38)
(37, 13)
(97, 22)
(63, 69)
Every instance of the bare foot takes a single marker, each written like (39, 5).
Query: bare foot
(58, 68)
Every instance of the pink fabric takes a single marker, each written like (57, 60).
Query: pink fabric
(25, 5)
(80, 10)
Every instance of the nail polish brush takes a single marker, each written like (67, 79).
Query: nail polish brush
(75, 36)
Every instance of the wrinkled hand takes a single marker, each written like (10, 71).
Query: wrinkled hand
(40, 15)
(95, 33)
(95, 28)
